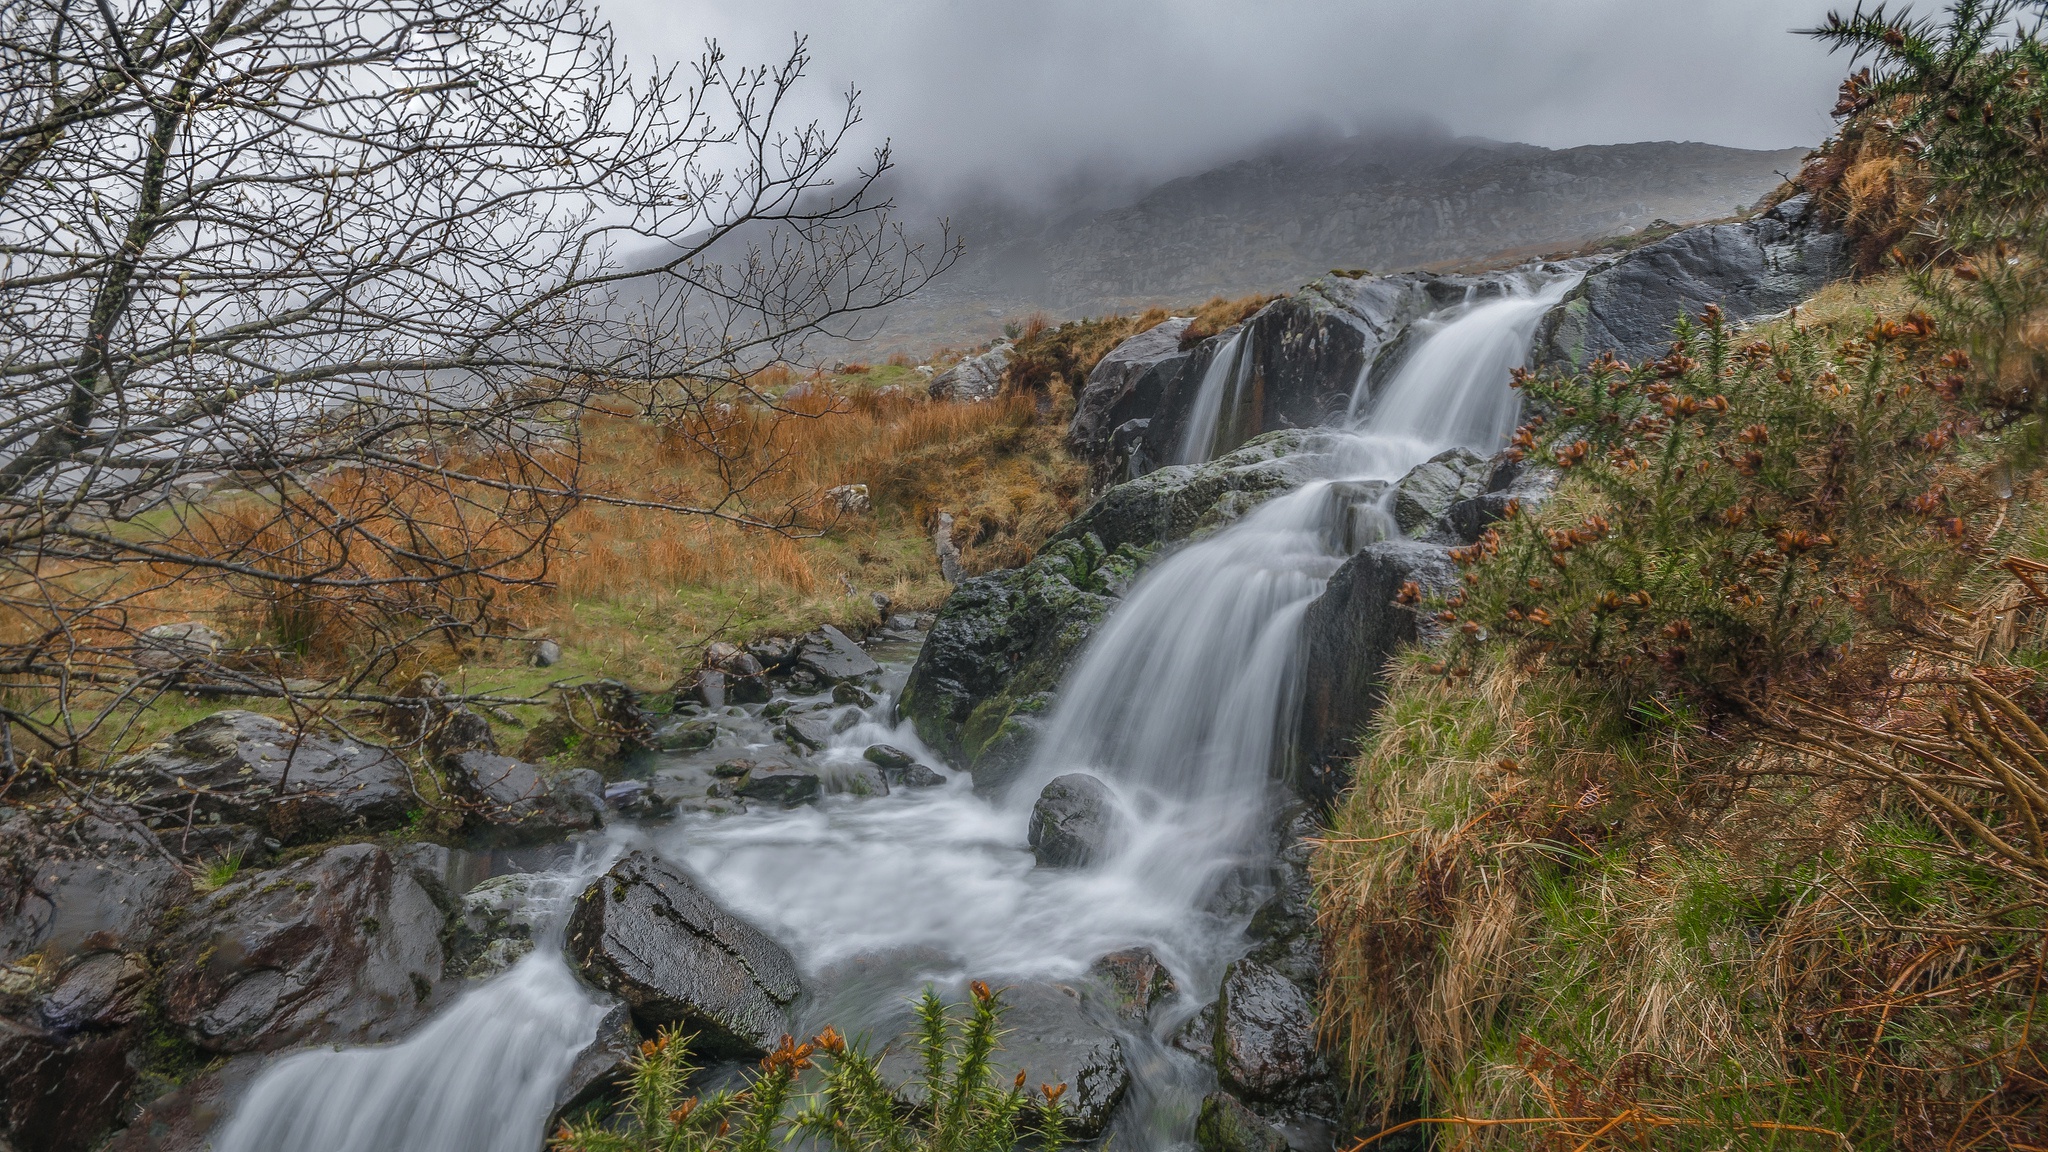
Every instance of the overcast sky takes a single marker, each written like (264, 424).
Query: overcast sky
(1017, 94)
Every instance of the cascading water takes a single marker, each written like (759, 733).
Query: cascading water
(1217, 411)
(1179, 703)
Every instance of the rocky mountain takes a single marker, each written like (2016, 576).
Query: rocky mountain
(1273, 218)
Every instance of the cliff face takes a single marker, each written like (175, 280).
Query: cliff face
(1272, 220)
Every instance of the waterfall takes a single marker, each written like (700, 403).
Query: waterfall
(1179, 703)
(1216, 416)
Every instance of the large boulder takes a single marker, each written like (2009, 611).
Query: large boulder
(1265, 1041)
(1752, 268)
(513, 802)
(71, 880)
(1430, 488)
(975, 378)
(1052, 1034)
(183, 1119)
(1125, 385)
(649, 934)
(237, 767)
(344, 947)
(66, 1068)
(1348, 634)
(1074, 821)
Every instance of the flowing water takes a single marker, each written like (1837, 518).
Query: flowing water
(1180, 703)
(1218, 410)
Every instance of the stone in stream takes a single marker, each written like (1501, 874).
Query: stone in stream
(344, 947)
(856, 780)
(497, 921)
(600, 1065)
(1074, 822)
(780, 784)
(1137, 980)
(1265, 1040)
(297, 786)
(888, 756)
(516, 803)
(1054, 1036)
(1226, 1125)
(648, 933)
(808, 731)
(1432, 487)
(831, 657)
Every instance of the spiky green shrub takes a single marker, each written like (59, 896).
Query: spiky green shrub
(1737, 513)
(847, 1104)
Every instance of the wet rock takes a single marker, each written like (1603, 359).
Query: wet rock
(780, 784)
(498, 919)
(1054, 1036)
(60, 1093)
(1284, 925)
(1137, 980)
(1226, 1125)
(773, 652)
(1197, 1035)
(1265, 1034)
(635, 800)
(975, 378)
(599, 723)
(741, 676)
(857, 780)
(1125, 384)
(519, 803)
(70, 880)
(424, 717)
(1510, 484)
(239, 767)
(1074, 822)
(734, 769)
(888, 756)
(343, 947)
(1430, 488)
(600, 1065)
(101, 991)
(687, 735)
(916, 776)
(1752, 268)
(808, 731)
(852, 694)
(646, 932)
(182, 1119)
(831, 657)
(1189, 500)
(1348, 634)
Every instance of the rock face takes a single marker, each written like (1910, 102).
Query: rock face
(976, 378)
(65, 1071)
(342, 947)
(999, 647)
(1188, 500)
(1125, 385)
(1429, 489)
(1752, 268)
(647, 933)
(1348, 634)
(1074, 822)
(70, 881)
(237, 767)
(1265, 1035)
(517, 804)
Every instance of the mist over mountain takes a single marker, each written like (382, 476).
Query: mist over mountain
(1300, 205)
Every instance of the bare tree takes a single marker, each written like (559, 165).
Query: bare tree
(365, 263)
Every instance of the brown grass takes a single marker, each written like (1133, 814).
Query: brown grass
(1219, 314)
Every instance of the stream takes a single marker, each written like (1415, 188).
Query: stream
(1181, 703)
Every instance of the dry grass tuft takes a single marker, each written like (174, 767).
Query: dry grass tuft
(1219, 314)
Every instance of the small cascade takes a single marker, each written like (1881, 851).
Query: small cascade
(1216, 419)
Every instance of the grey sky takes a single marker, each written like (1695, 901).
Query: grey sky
(1019, 94)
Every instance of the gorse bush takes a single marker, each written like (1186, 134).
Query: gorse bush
(1742, 514)
(849, 1105)
(1963, 98)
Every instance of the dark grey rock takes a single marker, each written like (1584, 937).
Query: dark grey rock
(852, 694)
(344, 947)
(635, 799)
(515, 802)
(1265, 1035)
(831, 657)
(1348, 634)
(1226, 1125)
(498, 918)
(1432, 487)
(687, 735)
(1053, 1035)
(71, 881)
(808, 731)
(182, 1119)
(1126, 383)
(1074, 822)
(168, 646)
(1136, 980)
(780, 784)
(975, 378)
(424, 717)
(915, 776)
(298, 787)
(600, 1065)
(60, 1092)
(1189, 500)
(888, 756)
(856, 780)
(101, 991)
(1753, 268)
(648, 933)
(1197, 1035)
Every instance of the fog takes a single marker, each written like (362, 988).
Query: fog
(1021, 98)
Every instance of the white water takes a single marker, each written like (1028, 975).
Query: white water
(1218, 408)
(1179, 703)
